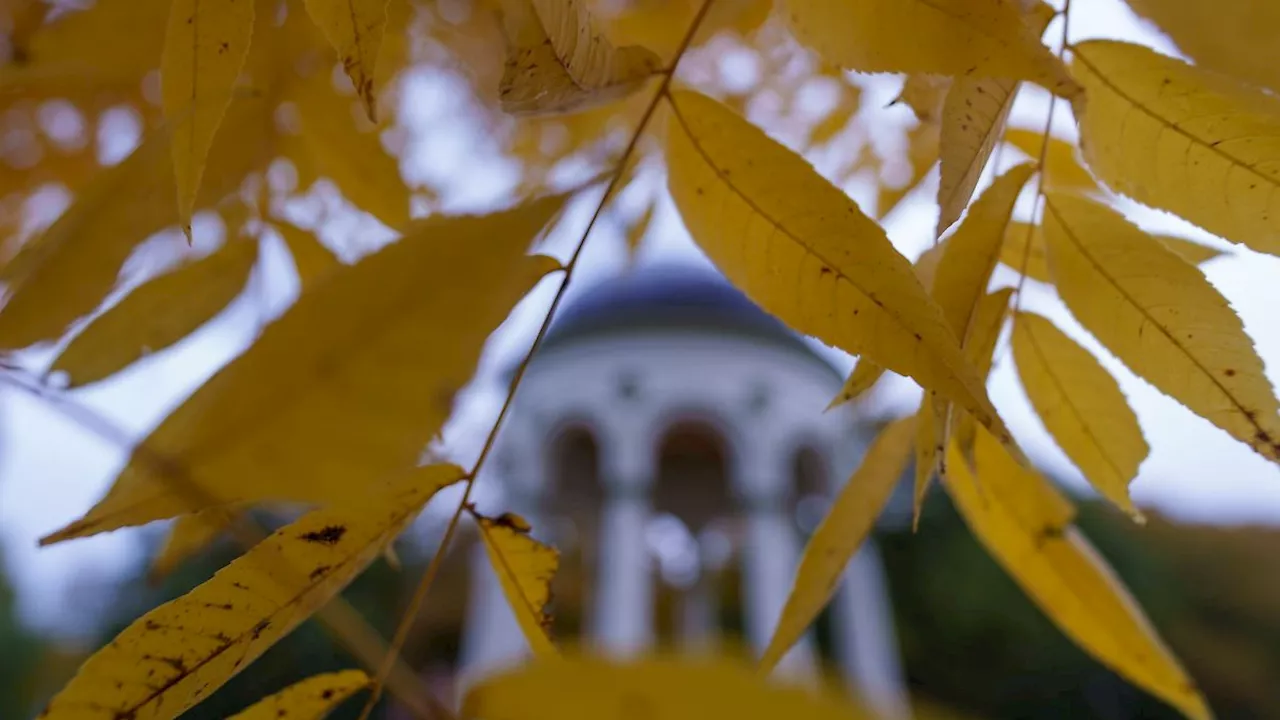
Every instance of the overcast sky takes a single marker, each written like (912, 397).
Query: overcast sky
(51, 470)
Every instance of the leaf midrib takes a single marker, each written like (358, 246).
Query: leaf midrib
(1195, 361)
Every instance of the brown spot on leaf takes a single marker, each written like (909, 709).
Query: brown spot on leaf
(320, 571)
(328, 535)
(326, 694)
(260, 628)
(1229, 372)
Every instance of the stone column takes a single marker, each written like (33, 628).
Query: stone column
(770, 551)
(624, 581)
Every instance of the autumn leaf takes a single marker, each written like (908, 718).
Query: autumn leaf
(158, 314)
(959, 285)
(178, 654)
(309, 699)
(1061, 572)
(667, 688)
(205, 46)
(973, 118)
(331, 137)
(1062, 170)
(947, 37)
(922, 155)
(525, 569)
(1161, 317)
(924, 94)
(984, 332)
(364, 365)
(841, 532)
(77, 259)
(557, 61)
(189, 535)
(1236, 37)
(832, 272)
(1183, 139)
(1037, 262)
(311, 259)
(1081, 406)
(354, 28)
(866, 373)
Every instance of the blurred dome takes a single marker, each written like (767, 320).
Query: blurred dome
(677, 298)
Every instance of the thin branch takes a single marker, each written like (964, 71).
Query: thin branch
(428, 577)
(1044, 156)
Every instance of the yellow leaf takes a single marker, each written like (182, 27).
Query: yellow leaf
(364, 365)
(841, 532)
(1081, 406)
(205, 46)
(924, 94)
(80, 254)
(931, 418)
(309, 699)
(189, 535)
(354, 28)
(180, 653)
(973, 250)
(1062, 170)
(557, 61)
(638, 229)
(311, 259)
(973, 119)
(1183, 139)
(109, 44)
(158, 314)
(1037, 506)
(662, 687)
(960, 38)
(525, 568)
(1059, 570)
(962, 277)
(980, 350)
(1232, 36)
(1161, 317)
(867, 372)
(803, 250)
(1037, 263)
(352, 156)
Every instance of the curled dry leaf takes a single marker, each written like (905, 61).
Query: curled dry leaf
(365, 365)
(158, 313)
(841, 532)
(309, 699)
(181, 652)
(1081, 406)
(558, 61)
(525, 569)
(1183, 139)
(1026, 526)
(1159, 315)
(947, 37)
(205, 47)
(832, 272)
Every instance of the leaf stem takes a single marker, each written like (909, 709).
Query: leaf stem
(1041, 162)
(433, 569)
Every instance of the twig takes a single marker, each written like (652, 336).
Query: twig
(1044, 156)
(428, 577)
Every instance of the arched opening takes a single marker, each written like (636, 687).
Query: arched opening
(692, 535)
(571, 510)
